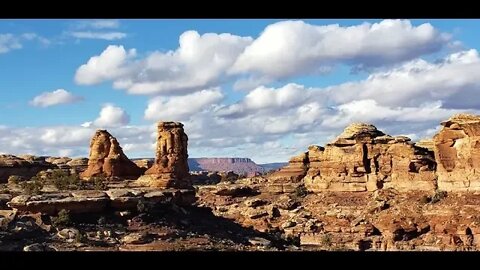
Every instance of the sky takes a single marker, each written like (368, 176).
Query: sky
(263, 89)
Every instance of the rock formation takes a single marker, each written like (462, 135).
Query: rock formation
(13, 165)
(457, 151)
(171, 167)
(364, 158)
(289, 177)
(361, 158)
(107, 159)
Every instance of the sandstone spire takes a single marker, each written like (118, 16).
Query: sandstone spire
(107, 158)
(171, 167)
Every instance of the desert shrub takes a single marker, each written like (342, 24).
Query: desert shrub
(15, 179)
(102, 220)
(439, 195)
(326, 240)
(99, 183)
(62, 218)
(63, 180)
(80, 238)
(301, 191)
(32, 187)
(141, 207)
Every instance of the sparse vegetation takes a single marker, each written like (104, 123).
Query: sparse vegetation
(327, 240)
(141, 207)
(301, 191)
(80, 238)
(63, 180)
(99, 183)
(15, 179)
(102, 220)
(439, 195)
(32, 187)
(62, 219)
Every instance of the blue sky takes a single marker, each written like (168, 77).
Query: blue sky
(308, 80)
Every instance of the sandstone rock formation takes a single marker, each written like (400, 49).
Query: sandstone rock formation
(457, 151)
(289, 177)
(364, 158)
(78, 165)
(107, 159)
(361, 158)
(61, 162)
(13, 165)
(171, 167)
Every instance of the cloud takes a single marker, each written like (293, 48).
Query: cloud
(9, 42)
(57, 97)
(108, 65)
(111, 116)
(73, 141)
(98, 24)
(198, 63)
(99, 35)
(268, 100)
(179, 108)
(452, 80)
(290, 48)
(33, 36)
(370, 111)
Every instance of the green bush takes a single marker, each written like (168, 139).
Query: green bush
(63, 180)
(32, 187)
(100, 183)
(62, 219)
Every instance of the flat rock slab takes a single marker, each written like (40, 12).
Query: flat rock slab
(89, 194)
(91, 201)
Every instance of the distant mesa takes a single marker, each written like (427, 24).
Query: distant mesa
(241, 166)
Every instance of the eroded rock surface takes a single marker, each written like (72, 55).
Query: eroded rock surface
(26, 167)
(107, 159)
(457, 151)
(170, 168)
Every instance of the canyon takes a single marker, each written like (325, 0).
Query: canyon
(364, 190)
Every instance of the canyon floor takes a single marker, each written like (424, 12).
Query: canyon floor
(243, 216)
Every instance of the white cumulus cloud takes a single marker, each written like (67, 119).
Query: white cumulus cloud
(289, 48)
(108, 65)
(199, 62)
(57, 97)
(111, 116)
(179, 108)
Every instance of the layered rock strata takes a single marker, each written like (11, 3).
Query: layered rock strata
(107, 159)
(457, 151)
(170, 168)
